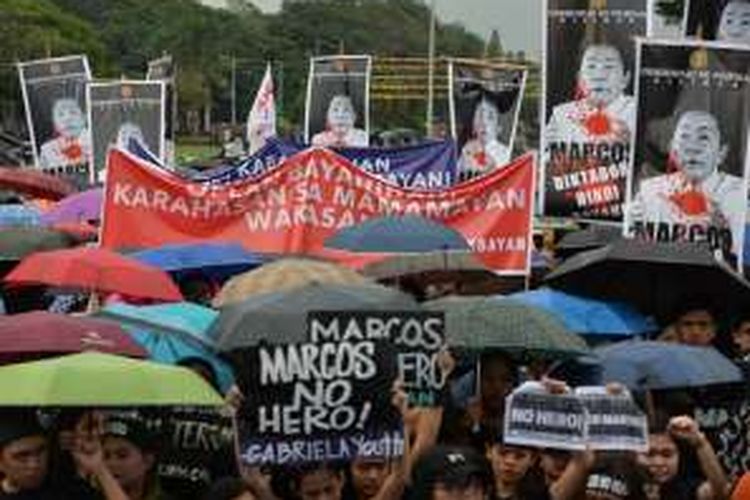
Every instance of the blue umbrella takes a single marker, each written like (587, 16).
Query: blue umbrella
(398, 234)
(589, 316)
(172, 333)
(217, 260)
(647, 365)
(17, 214)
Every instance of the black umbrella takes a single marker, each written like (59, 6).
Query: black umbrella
(594, 236)
(281, 318)
(654, 277)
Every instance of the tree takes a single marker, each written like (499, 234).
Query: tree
(493, 48)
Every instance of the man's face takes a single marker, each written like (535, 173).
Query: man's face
(368, 476)
(696, 328)
(662, 459)
(68, 118)
(696, 145)
(486, 123)
(496, 382)
(741, 337)
(321, 484)
(23, 462)
(510, 463)
(734, 25)
(602, 76)
(340, 114)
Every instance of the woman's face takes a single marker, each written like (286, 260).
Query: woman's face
(68, 118)
(662, 459)
(340, 115)
(127, 462)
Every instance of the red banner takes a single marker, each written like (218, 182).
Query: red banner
(294, 208)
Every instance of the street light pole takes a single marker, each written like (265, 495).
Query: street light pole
(234, 91)
(431, 71)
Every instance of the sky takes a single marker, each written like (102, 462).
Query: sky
(517, 21)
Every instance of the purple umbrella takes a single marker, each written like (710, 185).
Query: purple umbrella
(76, 208)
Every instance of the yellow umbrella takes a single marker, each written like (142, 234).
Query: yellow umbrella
(285, 274)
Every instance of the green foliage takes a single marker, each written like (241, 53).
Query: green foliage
(121, 36)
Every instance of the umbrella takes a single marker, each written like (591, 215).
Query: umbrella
(428, 264)
(95, 269)
(594, 236)
(18, 214)
(40, 333)
(16, 243)
(96, 379)
(284, 274)
(34, 183)
(172, 333)
(281, 317)
(398, 234)
(654, 277)
(660, 365)
(218, 260)
(487, 323)
(79, 207)
(587, 316)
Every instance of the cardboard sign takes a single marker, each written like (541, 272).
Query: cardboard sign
(317, 401)
(545, 420)
(614, 423)
(592, 419)
(417, 337)
(690, 148)
(588, 106)
(314, 194)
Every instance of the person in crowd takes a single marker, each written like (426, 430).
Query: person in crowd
(452, 473)
(601, 111)
(513, 468)
(484, 151)
(734, 23)
(480, 419)
(25, 450)
(229, 488)
(662, 461)
(367, 476)
(71, 143)
(695, 324)
(696, 193)
(340, 129)
(552, 464)
(741, 337)
(130, 452)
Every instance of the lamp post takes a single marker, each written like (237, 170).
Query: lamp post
(431, 71)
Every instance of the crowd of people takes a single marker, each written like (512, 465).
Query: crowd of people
(455, 450)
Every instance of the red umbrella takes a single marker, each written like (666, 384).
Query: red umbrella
(39, 334)
(96, 270)
(34, 183)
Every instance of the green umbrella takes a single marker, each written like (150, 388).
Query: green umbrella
(491, 323)
(16, 243)
(96, 379)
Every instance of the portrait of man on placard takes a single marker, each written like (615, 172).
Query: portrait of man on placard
(485, 105)
(54, 93)
(337, 110)
(722, 20)
(71, 142)
(691, 146)
(123, 112)
(589, 105)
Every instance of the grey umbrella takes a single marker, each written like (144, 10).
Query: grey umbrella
(281, 318)
(490, 323)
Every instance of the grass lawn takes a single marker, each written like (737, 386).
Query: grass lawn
(193, 151)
